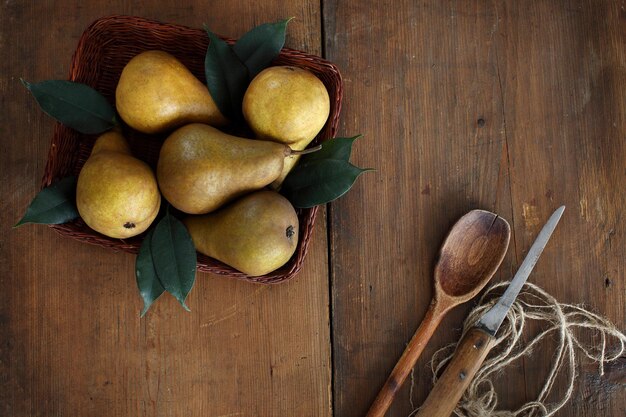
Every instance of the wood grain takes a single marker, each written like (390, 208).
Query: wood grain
(71, 339)
(516, 107)
(513, 106)
(471, 254)
(562, 67)
(468, 358)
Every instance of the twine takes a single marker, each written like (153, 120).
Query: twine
(562, 320)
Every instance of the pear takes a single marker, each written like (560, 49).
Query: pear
(156, 92)
(117, 194)
(201, 168)
(288, 105)
(256, 234)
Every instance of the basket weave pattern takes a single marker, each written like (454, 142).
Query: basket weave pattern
(103, 50)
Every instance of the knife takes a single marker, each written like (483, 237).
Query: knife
(478, 341)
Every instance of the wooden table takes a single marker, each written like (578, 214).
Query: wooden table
(514, 106)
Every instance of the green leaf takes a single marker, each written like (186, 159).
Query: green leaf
(55, 204)
(226, 76)
(320, 181)
(75, 105)
(336, 148)
(148, 282)
(174, 257)
(260, 46)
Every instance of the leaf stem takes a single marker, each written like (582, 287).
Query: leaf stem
(306, 151)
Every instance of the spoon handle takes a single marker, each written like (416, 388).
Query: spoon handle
(469, 355)
(407, 361)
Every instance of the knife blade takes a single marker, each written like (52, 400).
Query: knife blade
(478, 341)
(492, 319)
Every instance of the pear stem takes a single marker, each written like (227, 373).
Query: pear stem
(306, 151)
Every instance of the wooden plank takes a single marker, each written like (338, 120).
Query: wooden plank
(423, 87)
(562, 70)
(514, 108)
(71, 339)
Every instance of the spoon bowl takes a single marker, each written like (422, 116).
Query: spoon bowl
(468, 258)
(470, 255)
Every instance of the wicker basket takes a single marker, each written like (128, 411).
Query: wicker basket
(102, 52)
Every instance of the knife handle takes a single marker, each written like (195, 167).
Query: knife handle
(469, 355)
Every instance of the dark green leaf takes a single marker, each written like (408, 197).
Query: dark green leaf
(226, 76)
(75, 105)
(148, 282)
(319, 181)
(55, 204)
(258, 48)
(174, 257)
(336, 148)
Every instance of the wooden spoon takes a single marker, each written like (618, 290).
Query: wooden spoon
(468, 259)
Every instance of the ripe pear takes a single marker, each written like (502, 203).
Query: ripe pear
(117, 194)
(156, 92)
(256, 234)
(288, 105)
(201, 168)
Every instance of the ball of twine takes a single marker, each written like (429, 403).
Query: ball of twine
(561, 321)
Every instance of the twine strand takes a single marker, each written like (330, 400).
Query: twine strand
(562, 322)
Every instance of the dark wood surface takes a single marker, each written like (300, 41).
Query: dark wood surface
(516, 107)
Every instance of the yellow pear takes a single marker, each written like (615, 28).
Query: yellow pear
(111, 141)
(256, 234)
(286, 104)
(156, 92)
(201, 168)
(117, 194)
